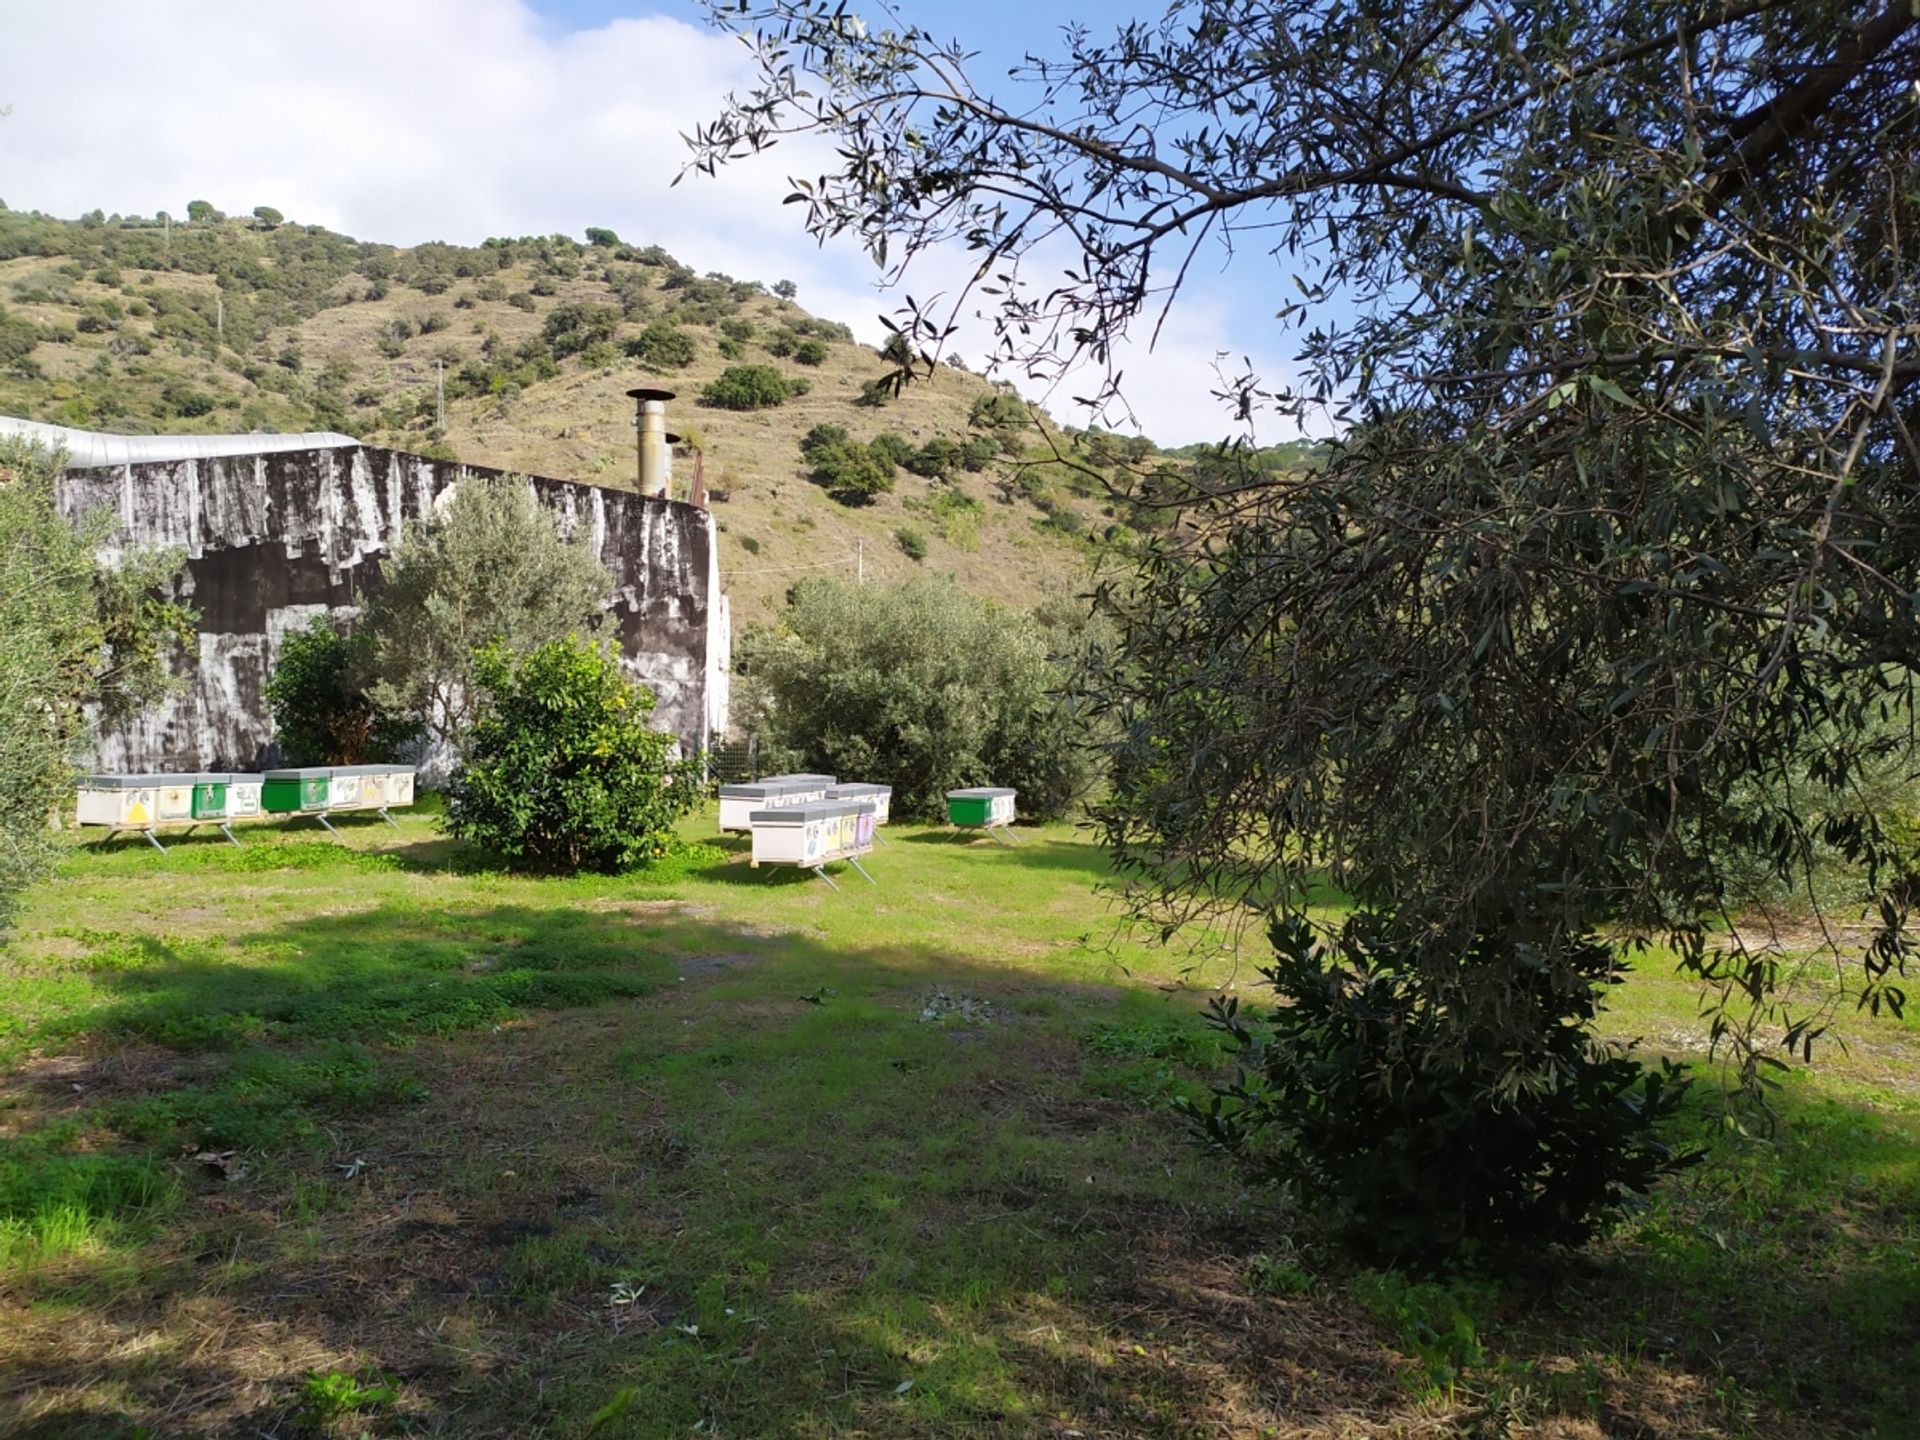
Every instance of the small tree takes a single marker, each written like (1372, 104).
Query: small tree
(75, 634)
(560, 771)
(604, 238)
(322, 714)
(662, 346)
(489, 567)
(936, 460)
(849, 472)
(747, 387)
(785, 289)
(201, 212)
(571, 328)
(269, 218)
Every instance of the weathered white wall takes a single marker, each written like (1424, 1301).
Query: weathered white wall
(274, 539)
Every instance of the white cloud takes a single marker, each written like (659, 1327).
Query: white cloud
(454, 120)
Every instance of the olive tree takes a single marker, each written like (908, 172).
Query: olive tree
(79, 634)
(1601, 603)
(927, 688)
(487, 568)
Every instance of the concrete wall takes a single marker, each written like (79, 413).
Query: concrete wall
(274, 539)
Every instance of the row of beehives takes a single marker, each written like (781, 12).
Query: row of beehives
(810, 819)
(805, 820)
(144, 802)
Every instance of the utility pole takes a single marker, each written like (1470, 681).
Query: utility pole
(440, 394)
(220, 316)
(860, 561)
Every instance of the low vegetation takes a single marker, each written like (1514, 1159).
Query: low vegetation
(369, 1135)
(560, 771)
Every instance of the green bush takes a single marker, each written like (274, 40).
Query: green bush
(560, 771)
(977, 452)
(911, 542)
(1413, 1148)
(849, 472)
(662, 346)
(321, 713)
(821, 436)
(747, 387)
(892, 448)
(936, 460)
(926, 687)
(810, 352)
(571, 328)
(998, 412)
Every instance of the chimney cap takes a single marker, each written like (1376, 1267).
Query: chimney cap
(645, 393)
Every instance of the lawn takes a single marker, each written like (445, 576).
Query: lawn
(317, 1138)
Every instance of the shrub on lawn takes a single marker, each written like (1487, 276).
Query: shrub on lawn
(1411, 1147)
(912, 543)
(747, 387)
(322, 714)
(560, 771)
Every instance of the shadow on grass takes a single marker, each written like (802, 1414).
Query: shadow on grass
(840, 1217)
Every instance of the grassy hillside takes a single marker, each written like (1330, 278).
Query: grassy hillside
(148, 326)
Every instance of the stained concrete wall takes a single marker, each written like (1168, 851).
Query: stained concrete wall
(274, 539)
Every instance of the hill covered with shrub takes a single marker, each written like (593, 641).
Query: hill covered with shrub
(517, 353)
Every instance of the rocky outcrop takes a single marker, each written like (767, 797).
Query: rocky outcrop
(275, 538)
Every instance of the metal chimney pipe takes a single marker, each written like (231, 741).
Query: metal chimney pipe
(653, 450)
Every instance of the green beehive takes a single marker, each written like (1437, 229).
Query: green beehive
(981, 806)
(209, 797)
(291, 792)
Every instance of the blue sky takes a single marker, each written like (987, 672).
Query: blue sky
(472, 118)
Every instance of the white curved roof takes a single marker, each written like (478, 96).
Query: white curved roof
(89, 449)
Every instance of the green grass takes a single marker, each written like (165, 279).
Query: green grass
(302, 1122)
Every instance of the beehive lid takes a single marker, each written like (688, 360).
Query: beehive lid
(850, 792)
(133, 782)
(801, 778)
(370, 769)
(300, 772)
(979, 792)
(801, 814)
(765, 790)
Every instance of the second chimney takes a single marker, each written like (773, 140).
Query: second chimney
(655, 447)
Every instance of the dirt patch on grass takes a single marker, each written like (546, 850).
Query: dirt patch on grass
(48, 1087)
